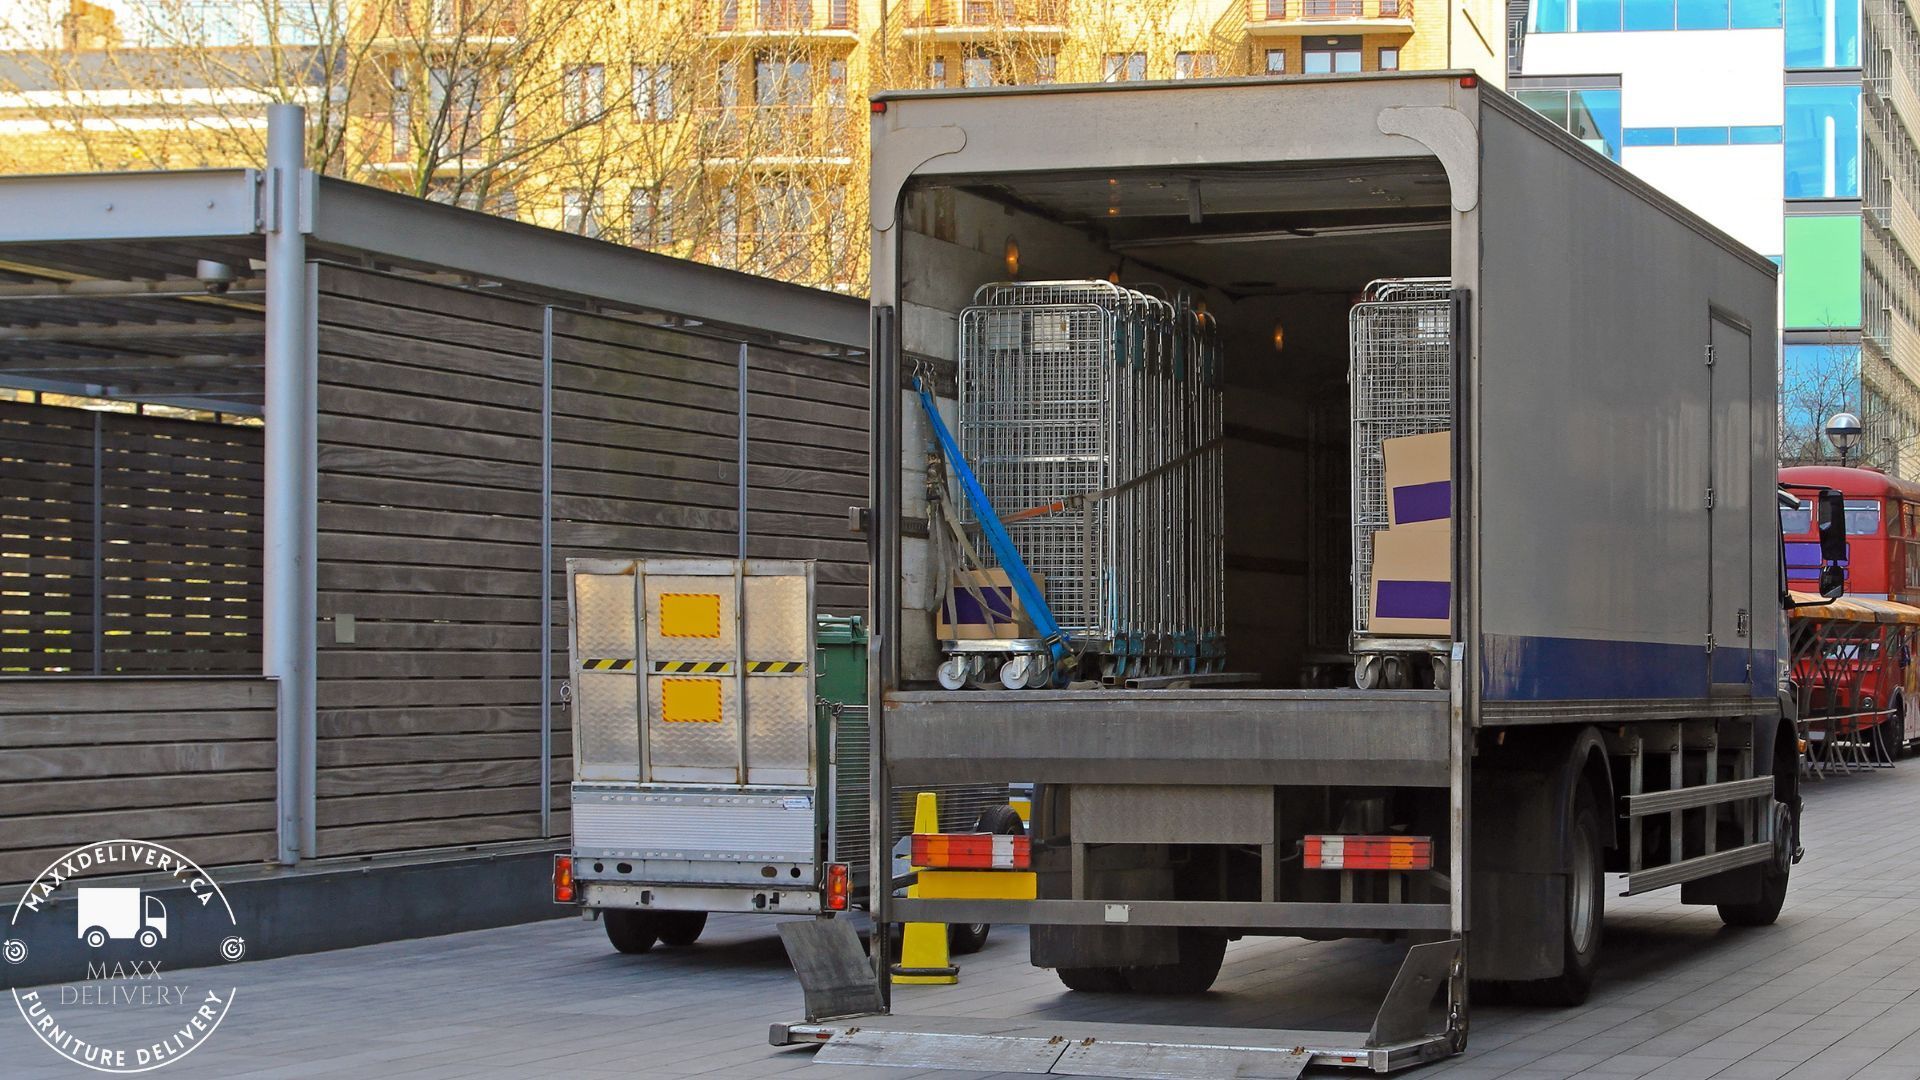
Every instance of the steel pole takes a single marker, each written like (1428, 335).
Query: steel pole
(288, 594)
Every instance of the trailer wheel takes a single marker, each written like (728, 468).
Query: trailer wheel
(964, 939)
(1201, 954)
(1093, 980)
(680, 928)
(631, 931)
(1586, 908)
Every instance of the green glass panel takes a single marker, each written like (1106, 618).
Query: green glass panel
(1822, 271)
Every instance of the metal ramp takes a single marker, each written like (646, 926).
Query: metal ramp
(845, 1019)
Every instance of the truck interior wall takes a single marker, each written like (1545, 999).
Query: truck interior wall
(1286, 440)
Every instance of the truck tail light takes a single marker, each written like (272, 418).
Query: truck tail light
(972, 851)
(563, 879)
(839, 886)
(1369, 853)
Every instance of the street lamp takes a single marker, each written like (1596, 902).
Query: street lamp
(1843, 431)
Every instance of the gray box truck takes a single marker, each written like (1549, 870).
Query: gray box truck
(1607, 694)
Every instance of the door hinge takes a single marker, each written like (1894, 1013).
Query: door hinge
(1709, 642)
(1742, 623)
(1709, 356)
(1709, 496)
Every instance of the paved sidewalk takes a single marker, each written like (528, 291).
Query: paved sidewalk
(1832, 991)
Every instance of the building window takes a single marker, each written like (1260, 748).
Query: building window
(1592, 116)
(839, 13)
(653, 92)
(1823, 33)
(1560, 16)
(782, 83)
(1327, 56)
(653, 213)
(1188, 65)
(727, 84)
(1276, 9)
(1823, 142)
(580, 212)
(836, 83)
(400, 113)
(1125, 67)
(729, 14)
(584, 90)
(1389, 59)
(1821, 272)
(1046, 68)
(1276, 61)
(936, 72)
(976, 70)
(728, 220)
(1738, 135)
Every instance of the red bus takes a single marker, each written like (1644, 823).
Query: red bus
(1883, 563)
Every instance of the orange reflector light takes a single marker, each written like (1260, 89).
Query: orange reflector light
(563, 879)
(1468, 82)
(839, 886)
(971, 851)
(1369, 853)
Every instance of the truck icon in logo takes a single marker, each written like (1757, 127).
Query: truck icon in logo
(118, 914)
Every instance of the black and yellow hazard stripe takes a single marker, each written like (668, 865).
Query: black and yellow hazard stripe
(775, 667)
(606, 665)
(691, 667)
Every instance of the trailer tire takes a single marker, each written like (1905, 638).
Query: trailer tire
(680, 928)
(1093, 980)
(1201, 954)
(631, 932)
(1580, 929)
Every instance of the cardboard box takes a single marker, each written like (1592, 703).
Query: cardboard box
(1419, 472)
(1412, 582)
(962, 617)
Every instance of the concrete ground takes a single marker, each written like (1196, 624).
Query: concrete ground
(1832, 991)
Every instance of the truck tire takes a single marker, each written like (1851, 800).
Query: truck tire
(631, 932)
(1888, 737)
(1201, 954)
(680, 928)
(1764, 909)
(1580, 926)
(965, 939)
(1094, 980)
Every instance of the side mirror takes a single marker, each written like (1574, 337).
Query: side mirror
(1832, 507)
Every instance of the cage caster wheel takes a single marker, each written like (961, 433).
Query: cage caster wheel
(1366, 672)
(1024, 672)
(953, 673)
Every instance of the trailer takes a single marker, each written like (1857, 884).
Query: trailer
(1601, 692)
(722, 750)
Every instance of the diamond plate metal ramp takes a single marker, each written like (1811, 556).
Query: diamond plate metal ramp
(1081, 1049)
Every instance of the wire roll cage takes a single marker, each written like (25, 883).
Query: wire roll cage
(1104, 402)
(1401, 383)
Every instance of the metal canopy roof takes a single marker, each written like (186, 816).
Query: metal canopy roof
(98, 294)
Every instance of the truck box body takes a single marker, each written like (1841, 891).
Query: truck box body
(1614, 546)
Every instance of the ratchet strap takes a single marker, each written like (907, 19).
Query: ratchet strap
(1086, 499)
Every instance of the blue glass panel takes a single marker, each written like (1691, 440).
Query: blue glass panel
(1649, 14)
(1756, 133)
(1594, 119)
(1823, 142)
(1701, 14)
(1649, 137)
(1823, 33)
(1596, 14)
(1755, 14)
(1700, 136)
(1549, 16)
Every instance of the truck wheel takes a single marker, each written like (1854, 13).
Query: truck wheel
(631, 931)
(1093, 980)
(680, 928)
(1586, 909)
(1887, 738)
(148, 938)
(1201, 954)
(964, 939)
(1765, 908)
(96, 937)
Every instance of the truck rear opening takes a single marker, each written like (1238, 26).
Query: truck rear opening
(1577, 660)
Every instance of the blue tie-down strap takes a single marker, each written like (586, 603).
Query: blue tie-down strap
(996, 533)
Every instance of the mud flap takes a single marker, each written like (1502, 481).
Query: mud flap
(836, 978)
(1408, 1011)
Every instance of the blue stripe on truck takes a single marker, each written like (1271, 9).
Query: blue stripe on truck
(1517, 668)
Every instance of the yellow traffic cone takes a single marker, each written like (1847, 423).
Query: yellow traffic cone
(923, 946)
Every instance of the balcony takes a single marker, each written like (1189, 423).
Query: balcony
(774, 136)
(977, 20)
(1295, 18)
(764, 19)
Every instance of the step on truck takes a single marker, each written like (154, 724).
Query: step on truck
(1567, 628)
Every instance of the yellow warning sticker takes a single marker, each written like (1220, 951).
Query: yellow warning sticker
(690, 701)
(690, 615)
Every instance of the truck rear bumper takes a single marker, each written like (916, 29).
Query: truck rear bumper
(1396, 738)
(768, 901)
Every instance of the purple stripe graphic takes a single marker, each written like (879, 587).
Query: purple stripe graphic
(1422, 502)
(1414, 600)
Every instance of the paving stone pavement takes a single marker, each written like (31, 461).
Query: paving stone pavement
(1832, 991)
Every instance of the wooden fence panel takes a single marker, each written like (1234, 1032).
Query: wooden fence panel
(186, 762)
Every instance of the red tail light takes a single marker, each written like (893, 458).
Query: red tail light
(563, 879)
(839, 886)
(971, 851)
(1369, 853)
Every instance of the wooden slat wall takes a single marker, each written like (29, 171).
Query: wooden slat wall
(429, 519)
(430, 510)
(187, 762)
(178, 506)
